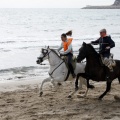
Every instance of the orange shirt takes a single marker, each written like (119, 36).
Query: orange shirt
(67, 43)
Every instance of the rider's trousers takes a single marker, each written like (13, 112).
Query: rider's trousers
(69, 61)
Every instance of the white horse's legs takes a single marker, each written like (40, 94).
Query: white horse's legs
(81, 82)
(85, 83)
(86, 92)
(57, 82)
(44, 81)
(71, 94)
(53, 82)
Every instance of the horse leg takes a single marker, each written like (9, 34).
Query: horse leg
(57, 82)
(108, 87)
(71, 94)
(82, 80)
(76, 87)
(76, 82)
(44, 81)
(86, 83)
(119, 79)
(89, 86)
(84, 75)
(54, 84)
(52, 81)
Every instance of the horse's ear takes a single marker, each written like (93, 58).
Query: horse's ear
(84, 44)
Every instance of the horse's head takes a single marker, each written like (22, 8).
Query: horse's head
(43, 56)
(82, 52)
(86, 51)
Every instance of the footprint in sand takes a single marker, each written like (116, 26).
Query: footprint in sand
(22, 100)
(117, 98)
(8, 118)
(10, 100)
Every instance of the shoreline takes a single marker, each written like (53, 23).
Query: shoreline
(12, 85)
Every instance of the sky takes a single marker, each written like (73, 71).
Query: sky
(52, 3)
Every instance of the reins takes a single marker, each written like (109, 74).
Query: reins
(56, 68)
(45, 56)
(53, 65)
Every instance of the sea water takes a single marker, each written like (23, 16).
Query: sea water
(23, 32)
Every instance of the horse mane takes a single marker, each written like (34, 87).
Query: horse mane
(92, 48)
(97, 56)
(55, 52)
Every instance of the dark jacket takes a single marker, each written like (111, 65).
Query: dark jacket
(105, 42)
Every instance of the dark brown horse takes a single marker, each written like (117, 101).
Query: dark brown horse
(94, 69)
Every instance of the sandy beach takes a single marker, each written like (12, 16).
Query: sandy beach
(23, 102)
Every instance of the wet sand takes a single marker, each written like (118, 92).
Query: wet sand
(25, 104)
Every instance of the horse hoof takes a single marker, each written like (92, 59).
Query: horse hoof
(76, 89)
(117, 98)
(91, 86)
(100, 98)
(41, 93)
(59, 84)
(81, 96)
(69, 96)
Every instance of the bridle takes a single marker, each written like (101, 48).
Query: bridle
(44, 55)
(47, 54)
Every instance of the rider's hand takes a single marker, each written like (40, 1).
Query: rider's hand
(107, 48)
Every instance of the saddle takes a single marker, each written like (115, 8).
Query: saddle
(109, 62)
(110, 59)
(73, 62)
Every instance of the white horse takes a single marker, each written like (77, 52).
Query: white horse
(58, 70)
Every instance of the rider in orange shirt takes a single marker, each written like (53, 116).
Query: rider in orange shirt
(68, 51)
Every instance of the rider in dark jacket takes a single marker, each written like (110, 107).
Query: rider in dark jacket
(106, 43)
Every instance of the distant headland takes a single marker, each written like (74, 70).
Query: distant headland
(116, 5)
